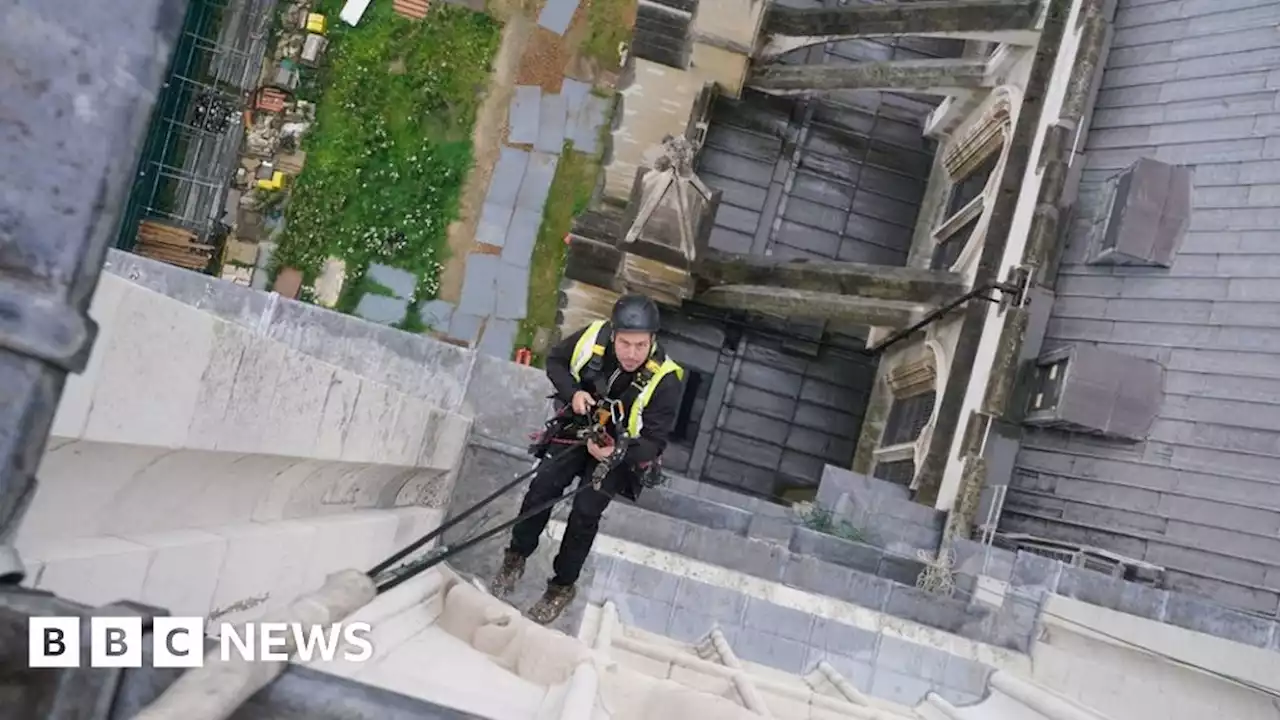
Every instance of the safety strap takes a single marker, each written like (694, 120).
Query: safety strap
(588, 354)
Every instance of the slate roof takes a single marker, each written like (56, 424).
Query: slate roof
(1191, 82)
(774, 410)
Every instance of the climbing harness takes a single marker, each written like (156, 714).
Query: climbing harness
(588, 354)
(558, 430)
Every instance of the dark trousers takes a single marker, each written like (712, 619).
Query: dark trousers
(550, 482)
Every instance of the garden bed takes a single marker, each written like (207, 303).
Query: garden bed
(391, 146)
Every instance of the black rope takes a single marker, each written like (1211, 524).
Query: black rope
(445, 526)
(427, 563)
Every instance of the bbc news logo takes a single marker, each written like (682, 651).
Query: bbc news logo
(178, 642)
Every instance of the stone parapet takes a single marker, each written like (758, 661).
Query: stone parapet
(1034, 577)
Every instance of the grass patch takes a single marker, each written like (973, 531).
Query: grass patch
(609, 24)
(823, 520)
(571, 191)
(391, 146)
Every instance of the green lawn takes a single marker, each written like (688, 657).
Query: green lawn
(391, 148)
(609, 23)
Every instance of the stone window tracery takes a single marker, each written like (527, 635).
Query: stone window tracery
(973, 163)
(914, 389)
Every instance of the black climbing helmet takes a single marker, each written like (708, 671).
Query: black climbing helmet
(637, 313)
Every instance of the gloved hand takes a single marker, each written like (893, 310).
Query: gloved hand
(582, 402)
(601, 452)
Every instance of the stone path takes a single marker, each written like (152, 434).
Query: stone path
(495, 285)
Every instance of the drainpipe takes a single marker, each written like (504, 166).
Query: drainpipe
(76, 92)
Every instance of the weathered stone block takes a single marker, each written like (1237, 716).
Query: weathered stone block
(695, 510)
(847, 640)
(1207, 617)
(900, 536)
(506, 401)
(1014, 625)
(351, 540)
(687, 625)
(1142, 600)
(265, 568)
(771, 528)
(93, 571)
(643, 612)
(644, 581)
(721, 604)
(976, 559)
(147, 393)
(784, 621)
(859, 556)
(900, 569)
(725, 496)
(911, 659)
(631, 523)
(753, 644)
(966, 585)
(183, 572)
(950, 614)
(1034, 575)
(1089, 586)
(967, 676)
(863, 490)
(718, 547)
(814, 575)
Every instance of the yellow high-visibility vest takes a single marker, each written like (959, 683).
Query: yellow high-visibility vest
(587, 348)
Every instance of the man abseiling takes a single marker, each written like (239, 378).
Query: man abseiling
(605, 361)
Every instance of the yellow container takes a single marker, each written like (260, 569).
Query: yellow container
(315, 23)
(275, 182)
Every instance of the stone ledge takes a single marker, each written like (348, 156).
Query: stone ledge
(1031, 577)
(684, 607)
(768, 561)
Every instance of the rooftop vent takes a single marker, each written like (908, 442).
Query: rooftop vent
(1087, 389)
(1145, 212)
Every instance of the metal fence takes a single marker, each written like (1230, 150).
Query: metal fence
(189, 155)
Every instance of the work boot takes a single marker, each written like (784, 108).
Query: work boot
(508, 575)
(552, 603)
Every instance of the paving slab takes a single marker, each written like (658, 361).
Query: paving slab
(494, 220)
(465, 327)
(478, 285)
(522, 115)
(521, 237)
(585, 132)
(499, 338)
(557, 14)
(400, 282)
(575, 93)
(436, 314)
(507, 174)
(551, 124)
(536, 184)
(382, 309)
(512, 302)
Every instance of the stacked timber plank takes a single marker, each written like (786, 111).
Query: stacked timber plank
(412, 9)
(172, 245)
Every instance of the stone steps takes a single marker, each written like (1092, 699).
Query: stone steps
(882, 590)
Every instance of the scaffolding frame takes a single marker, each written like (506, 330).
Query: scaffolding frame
(189, 159)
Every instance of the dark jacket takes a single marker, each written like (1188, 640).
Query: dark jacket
(659, 415)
